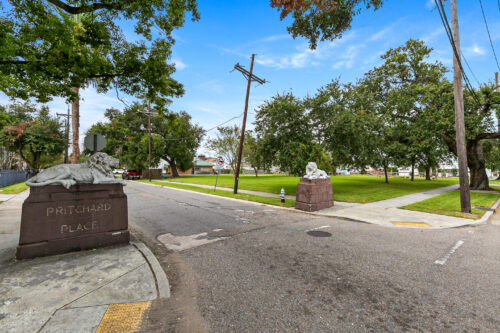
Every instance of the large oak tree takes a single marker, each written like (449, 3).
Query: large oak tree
(52, 48)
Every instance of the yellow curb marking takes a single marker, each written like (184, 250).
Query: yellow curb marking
(412, 224)
(123, 318)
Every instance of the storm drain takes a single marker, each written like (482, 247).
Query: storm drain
(319, 233)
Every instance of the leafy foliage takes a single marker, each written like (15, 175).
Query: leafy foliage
(321, 20)
(32, 133)
(49, 46)
(173, 137)
(284, 128)
(226, 144)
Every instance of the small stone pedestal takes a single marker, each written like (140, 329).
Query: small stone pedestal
(314, 194)
(56, 220)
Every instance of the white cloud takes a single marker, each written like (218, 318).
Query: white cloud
(474, 50)
(378, 35)
(179, 65)
(273, 38)
(348, 57)
(431, 36)
(305, 56)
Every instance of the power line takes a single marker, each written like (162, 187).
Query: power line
(447, 28)
(208, 130)
(489, 35)
(470, 69)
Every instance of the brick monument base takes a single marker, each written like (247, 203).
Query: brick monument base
(56, 220)
(314, 194)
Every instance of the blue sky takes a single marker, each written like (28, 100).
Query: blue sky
(229, 31)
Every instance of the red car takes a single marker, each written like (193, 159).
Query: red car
(131, 174)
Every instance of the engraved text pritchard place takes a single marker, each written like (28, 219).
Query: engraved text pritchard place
(78, 209)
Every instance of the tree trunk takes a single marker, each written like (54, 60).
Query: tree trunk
(427, 173)
(75, 126)
(412, 169)
(386, 176)
(173, 167)
(475, 160)
(256, 170)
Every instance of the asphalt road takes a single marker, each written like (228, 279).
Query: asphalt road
(267, 271)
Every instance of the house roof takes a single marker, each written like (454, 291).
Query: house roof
(199, 163)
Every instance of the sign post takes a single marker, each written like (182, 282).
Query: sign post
(218, 167)
(94, 142)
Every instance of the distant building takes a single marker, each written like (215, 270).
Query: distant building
(200, 167)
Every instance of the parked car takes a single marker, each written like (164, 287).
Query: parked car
(131, 174)
(118, 171)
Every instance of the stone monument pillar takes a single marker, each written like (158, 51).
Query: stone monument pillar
(314, 191)
(88, 211)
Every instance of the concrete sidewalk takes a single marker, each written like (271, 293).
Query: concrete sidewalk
(103, 290)
(388, 213)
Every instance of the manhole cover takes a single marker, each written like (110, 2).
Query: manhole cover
(318, 233)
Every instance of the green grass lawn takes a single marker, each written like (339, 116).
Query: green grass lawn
(449, 204)
(356, 188)
(495, 182)
(14, 189)
(228, 194)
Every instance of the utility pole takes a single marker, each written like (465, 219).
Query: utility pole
(496, 88)
(459, 115)
(67, 115)
(149, 139)
(498, 113)
(250, 77)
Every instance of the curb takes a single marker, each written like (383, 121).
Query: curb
(488, 215)
(162, 285)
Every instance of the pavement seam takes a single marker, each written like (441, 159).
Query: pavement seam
(64, 307)
(104, 285)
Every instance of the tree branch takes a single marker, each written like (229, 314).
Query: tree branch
(90, 8)
(14, 62)
(99, 76)
(483, 136)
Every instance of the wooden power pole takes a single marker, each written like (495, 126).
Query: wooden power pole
(250, 77)
(66, 125)
(459, 115)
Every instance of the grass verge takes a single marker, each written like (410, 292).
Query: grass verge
(355, 188)
(227, 194)
(14, 189)
(449, 204)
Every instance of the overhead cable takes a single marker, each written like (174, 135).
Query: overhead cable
(489, 35)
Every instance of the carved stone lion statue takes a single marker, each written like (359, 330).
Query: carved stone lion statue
(312, 172)
(96, 170)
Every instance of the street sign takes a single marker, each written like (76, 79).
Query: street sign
(94, 142)
(220, 161)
